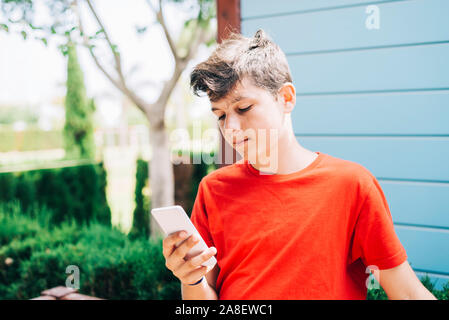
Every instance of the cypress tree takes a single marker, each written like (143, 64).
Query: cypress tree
(141, 220)
(78, 129)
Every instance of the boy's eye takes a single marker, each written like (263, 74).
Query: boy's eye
(240, 110)
(245, 109)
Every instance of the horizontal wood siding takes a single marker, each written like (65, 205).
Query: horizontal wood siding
(379, 97)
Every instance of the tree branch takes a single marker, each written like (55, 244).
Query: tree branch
(197, 38)
(140, 103)
(160, 17)
(90, 47)
(198, 35)
(118, 64)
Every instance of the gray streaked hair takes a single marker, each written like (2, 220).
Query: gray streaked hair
(258, 58)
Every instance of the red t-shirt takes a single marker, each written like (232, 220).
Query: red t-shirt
(305, 235)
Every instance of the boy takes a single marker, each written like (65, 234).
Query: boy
(311, 226)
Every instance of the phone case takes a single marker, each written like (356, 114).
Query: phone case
(174, 218)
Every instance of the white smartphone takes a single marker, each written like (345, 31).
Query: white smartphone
(172, 219)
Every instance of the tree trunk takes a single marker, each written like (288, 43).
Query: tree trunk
(161, 173)
(161, 176)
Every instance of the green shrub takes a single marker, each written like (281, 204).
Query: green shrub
(26, 190)
(141, 214)
(78, 127)
(7, 186)
(20, 251)
(440, 294)
(111, 265)
(135, 270)
(14, 225)
(376, 294)
(200, 171)
(76, 192)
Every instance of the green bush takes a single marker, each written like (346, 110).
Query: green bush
(200, 171)
(135, 270)
(76, 192)
(141, 214)
(20, 251)
(111, 265)
(14, 225)
(442, 294)
(79, 110)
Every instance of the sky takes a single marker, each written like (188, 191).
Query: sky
(33, 74)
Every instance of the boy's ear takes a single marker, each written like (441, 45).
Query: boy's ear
(287, 95)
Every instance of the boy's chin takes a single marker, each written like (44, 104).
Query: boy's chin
(251, 155)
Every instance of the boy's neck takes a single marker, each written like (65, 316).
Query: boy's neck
(291, 157)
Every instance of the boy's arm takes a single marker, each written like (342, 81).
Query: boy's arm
(376, 242)
(205, 290)
(401, 283)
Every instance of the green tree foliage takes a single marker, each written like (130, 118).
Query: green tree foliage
(78, 129)
(141, 215)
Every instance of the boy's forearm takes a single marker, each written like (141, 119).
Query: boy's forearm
(401, 283)
(421, 293)
(202, 291)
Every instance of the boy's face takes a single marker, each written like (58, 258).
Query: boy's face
(253, 115)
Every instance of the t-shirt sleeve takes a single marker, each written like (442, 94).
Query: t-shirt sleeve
(375, 240)
(199, 216)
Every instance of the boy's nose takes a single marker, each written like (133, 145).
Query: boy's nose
(231, 123)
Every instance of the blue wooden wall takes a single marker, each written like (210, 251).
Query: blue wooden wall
(379, 97)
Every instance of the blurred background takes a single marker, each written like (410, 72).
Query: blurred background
(84, 85)
(34, 80)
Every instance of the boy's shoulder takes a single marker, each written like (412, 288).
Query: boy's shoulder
(348, 170)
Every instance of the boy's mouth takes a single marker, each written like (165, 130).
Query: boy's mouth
(235, 144)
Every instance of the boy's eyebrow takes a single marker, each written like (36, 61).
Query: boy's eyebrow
(234, 100)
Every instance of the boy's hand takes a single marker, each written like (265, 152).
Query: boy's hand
(187, 271)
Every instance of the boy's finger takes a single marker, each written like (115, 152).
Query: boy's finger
(204, 256)
(181, 251)
(168, 244)
(177, 259)
(195, 262)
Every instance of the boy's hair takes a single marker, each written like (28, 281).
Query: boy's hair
(258, 58)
